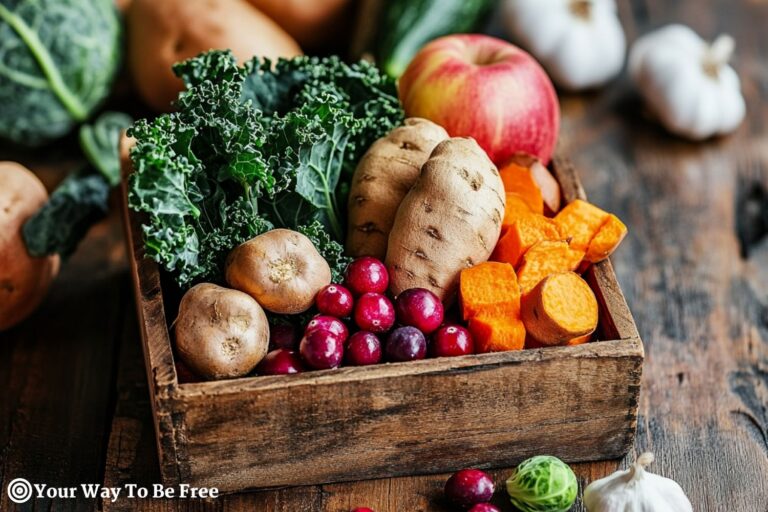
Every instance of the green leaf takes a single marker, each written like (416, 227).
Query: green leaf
(100, 143)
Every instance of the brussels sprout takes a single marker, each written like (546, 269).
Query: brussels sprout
(57, 62)
(543, 484)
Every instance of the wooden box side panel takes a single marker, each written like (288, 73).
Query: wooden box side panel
(325, 430)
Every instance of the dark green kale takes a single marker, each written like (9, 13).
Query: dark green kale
(251, 148)
(82, 198)
(332, 251)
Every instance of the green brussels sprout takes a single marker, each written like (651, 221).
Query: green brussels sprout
(543, 484)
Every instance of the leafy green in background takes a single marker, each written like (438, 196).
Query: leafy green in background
(82, 198)
(251, 148)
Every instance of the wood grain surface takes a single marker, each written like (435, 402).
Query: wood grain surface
(694, 268)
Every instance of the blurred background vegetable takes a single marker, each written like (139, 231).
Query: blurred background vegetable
(59, 58)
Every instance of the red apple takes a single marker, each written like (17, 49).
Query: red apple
(482, 87)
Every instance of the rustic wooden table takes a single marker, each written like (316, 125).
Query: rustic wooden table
(73, 397)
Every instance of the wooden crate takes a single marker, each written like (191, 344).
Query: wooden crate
(436, 415)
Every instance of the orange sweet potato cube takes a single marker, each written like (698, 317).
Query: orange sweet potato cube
(497, 334)
(545, 258)
(607, 239)
(489, 288)
(525, 232)
(519, 180)
(580, 221)
(515, 209)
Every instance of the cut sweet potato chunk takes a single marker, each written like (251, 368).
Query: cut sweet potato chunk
(607, 239)
(560, 308)
(545, 258)
(530, 342)
(515, 209)
(523, 233)
(489, 289)
(497, 334)
(518, 180)
(580, 221)
(548, 185)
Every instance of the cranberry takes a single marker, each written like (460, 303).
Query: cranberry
(452, 340)
(322, 349)
(283, 336)
(366, 275)
(406, 344)
(363, 509)
(469, 487)
(328, 323)
(484, 507)
(280, 362)
(334, 300)
(420, 308)
(374, 312)
(363, 348)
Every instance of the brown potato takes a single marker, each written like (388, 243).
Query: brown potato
(220, 333)
(281, 269)
(24, 280)
(163, 32)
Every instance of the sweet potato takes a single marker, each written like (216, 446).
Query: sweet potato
(489, 289)
(580, 221)
(532, 343)
(558, 309)
(518, 180)
(607, 239)
(450, 220)
(497, 333)
(281, 269)
(545, 258)
(548, 185)
(220, 333)
(515, 208)
(24, 280)
(525, 232)
(383, 176)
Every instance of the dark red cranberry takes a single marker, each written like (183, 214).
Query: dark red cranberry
(374, 312)
(366, 275)
(184, 374)
(334, 300)
(283, 336)
(321, 349)
(363, 509)
(406, 344)
(328, 323)
(484, 507)
(280, 361)
(363, 348)
(469, 487)
(452, 340)
(420, 308)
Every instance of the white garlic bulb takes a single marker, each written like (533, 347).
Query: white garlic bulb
(636, 490)
(580, 43)
(688, 83)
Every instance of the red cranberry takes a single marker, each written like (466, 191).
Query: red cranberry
(452, 340)
(328, 323)
(334, 300)
(374, 312)
(363, 348)
(484, 507)
(366, 275)
(406, 344)
(420, 308)
(280, 362)
(322, 349)
(363, 509)
(469, 487)
(283, 336)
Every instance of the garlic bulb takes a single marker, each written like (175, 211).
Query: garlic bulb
(635, 490)
(688, 83)
(579, 42)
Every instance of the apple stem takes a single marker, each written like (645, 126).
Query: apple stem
(718, 54)
(582, 8)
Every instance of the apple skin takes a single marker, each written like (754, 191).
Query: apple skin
(482, 87)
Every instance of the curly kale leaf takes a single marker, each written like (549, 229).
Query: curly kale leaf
(82, 198)
(332, 251)
(57, 62)
(251, 148)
